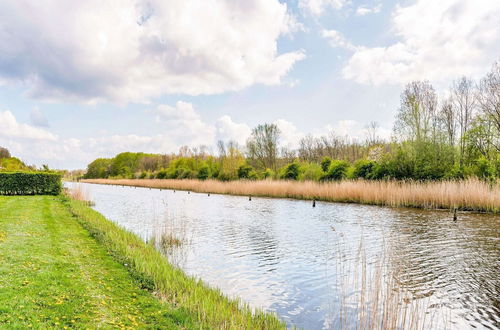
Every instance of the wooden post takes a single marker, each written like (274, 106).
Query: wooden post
(314, 203)
(455, 214)
(250, 197)
(208, 194)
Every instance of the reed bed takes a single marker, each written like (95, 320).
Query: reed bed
(80, 193)
(471, 194)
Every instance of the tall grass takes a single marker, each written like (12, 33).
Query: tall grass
(207, 306)
(470, 194)
(372, 297)
(80, 193)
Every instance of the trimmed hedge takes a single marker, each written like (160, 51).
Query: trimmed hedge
(30, 183)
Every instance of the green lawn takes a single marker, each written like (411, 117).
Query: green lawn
(54, 274)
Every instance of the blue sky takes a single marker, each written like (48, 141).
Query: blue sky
(87, 80)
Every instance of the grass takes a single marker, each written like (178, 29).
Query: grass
(470, 194)
(54, 275)
(64, 265)
(209, 307)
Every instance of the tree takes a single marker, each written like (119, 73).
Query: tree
(464, 100)
(416, 117)
(4, 153)
(489, 94)
(371, 131)
(262, 146)
(99, 168)
(448, 120)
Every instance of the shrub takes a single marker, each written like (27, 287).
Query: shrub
(245, 171)
(364, 168)
(203, 173)
(310, 172)
(267, 174)
(161, 174)
(325, 163)
(337, 170)
(30, 183)
(291, 172)
(484, 169)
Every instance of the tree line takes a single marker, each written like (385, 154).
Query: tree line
(456, 136)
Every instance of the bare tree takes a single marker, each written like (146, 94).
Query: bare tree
(307, 148)
(489, 94)
(371, 130)
(416, 117)
(464, 100)
(448, 120)
(262, 146)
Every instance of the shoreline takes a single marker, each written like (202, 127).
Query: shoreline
(466, 195)
(208, 306)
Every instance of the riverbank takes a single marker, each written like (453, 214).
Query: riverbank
(469, 195)
(64, 265)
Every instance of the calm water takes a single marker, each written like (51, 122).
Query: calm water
(305, 263)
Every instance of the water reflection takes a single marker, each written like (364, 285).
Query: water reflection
(299, 261)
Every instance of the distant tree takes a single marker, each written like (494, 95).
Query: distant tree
(4, 153)
(262, 146)
(414, 120)
(464, 100)
(371, 130)
(489, 94)
(448, 119)
(99, 168)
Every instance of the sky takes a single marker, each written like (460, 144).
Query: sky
(86, 79)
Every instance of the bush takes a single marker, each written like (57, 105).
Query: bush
(337, 170)
(291, 172)
(484, 169)
(203, 173)
(364, 168)
(267, 174)
(30, 183)
(310, 172)
(325, 163)
(162, 174)
(245, 172)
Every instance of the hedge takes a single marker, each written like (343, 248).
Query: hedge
(30, 183)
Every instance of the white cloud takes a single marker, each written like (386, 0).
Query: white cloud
(133, 50)
(228, 130)
(290, 135)
(337, 39)
(438, 40)
(38, 118)
(184, 124)
(318, 7)
(365, 10)
(10, 128)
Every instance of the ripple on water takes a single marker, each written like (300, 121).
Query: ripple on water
(284, 256)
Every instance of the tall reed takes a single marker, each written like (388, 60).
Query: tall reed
(80, 193)
(470, 194)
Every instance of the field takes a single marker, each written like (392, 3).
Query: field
(470, 195)
(64, 265)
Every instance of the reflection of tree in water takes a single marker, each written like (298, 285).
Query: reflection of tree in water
(454, 263)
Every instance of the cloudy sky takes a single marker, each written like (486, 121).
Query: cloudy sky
(87, 79)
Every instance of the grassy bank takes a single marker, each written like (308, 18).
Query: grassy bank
(471, 194)
(63, 264)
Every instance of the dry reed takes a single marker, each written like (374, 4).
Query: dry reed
(80, 193)
(470, 194)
